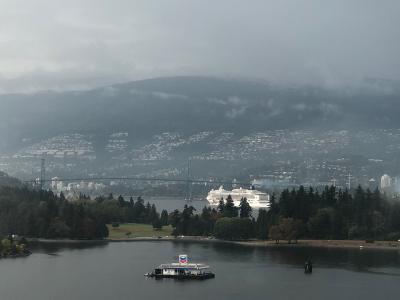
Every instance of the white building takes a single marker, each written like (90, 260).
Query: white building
(386, 181)
(54, 182)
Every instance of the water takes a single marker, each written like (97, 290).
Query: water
(115, 271)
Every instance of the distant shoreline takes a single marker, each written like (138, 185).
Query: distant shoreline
(344, 244)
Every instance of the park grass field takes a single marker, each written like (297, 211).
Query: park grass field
(134, 230)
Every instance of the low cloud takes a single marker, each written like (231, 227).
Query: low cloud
(60, 45)
(236, 112)
(300, 107)
(329, 109)
(157, 94)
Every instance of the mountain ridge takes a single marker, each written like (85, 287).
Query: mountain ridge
(189, 104)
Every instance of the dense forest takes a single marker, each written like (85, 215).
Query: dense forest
(34, 213)
(297, 213)
(300, 213)
(43, 214)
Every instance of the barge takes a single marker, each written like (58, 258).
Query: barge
(182, 270)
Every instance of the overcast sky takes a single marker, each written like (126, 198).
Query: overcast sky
(82, 43)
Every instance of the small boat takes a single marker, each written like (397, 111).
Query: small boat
(182, 270)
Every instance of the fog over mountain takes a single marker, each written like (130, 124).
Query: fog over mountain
(69, 45)
(292, 87)
(193, 104)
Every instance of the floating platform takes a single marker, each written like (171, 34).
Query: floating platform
(182, 270)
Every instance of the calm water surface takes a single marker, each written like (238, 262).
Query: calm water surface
(115, 271)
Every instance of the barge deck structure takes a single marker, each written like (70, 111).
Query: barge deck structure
(182, 270)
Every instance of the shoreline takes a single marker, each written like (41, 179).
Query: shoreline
(337, 244)
(343, 244)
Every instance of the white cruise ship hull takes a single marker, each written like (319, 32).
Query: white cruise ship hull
(256, 199)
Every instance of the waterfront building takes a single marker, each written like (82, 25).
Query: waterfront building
(386, 182)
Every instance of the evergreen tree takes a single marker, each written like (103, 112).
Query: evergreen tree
(164, 218)
(121, 201)
(221, 206)
(153, 215)
(262, 224)
(157, 225)
(233, 228)
(208, 220)
(139, 210)
(230, 211)
(186, 216)
(174, 218)
(244, 208)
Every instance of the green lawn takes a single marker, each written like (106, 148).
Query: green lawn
(131, 230)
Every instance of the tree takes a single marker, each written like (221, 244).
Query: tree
(262, 224)
(244, 208)
(233, 228)
(221, 206)
(58, 229)
(174, 218)
(285, 204)
(327, 223)
(121, 201)
(208, 220)
(164, 218)
(331, 214)
(378, 225)
(6, 245)
(157, 224)
(186, 217)
(230, 211)
(290, 229)
(101, 230)
(153, 215)
(275, 233)
(139, 210)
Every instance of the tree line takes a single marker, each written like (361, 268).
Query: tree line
(298, 213)
(225, 222)
(43, 214)
(334, 214)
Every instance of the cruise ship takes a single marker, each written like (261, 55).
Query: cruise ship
(255, 198)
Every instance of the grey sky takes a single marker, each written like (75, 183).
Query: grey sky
(82, 43)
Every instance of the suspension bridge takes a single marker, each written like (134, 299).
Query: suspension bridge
(189, 181)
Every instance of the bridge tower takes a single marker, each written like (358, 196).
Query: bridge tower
(349, 181)
(42, 173)
(189, 181)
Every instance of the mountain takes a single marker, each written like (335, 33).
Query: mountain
(190, 104)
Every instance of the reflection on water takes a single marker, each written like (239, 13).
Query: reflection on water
(365, 260)
(350, 259)
(52, 248)
(115, 271)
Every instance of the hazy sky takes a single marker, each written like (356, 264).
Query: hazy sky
(80, 43)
